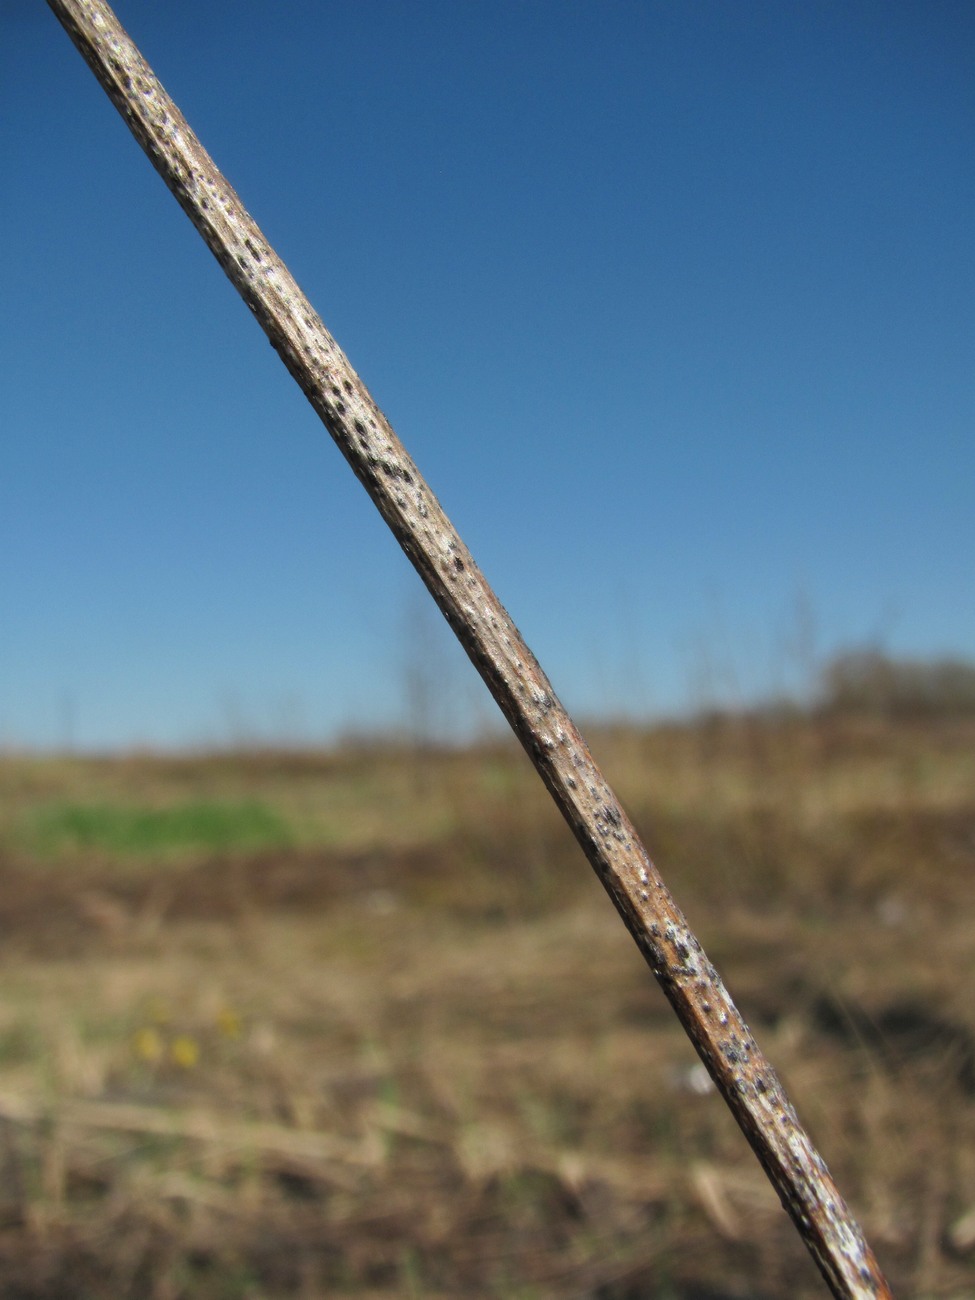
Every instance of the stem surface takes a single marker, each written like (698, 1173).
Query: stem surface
(692, 985)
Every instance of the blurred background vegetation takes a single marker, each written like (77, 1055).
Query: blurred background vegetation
(360, 1021)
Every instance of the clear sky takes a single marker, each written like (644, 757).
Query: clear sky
(672, 303)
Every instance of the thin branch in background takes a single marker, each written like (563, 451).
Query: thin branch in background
(493, 643)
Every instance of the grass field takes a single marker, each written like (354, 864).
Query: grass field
(363, 1023)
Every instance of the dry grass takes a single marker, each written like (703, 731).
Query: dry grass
(401, 1044)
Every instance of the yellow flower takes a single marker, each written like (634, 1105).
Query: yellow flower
(148, 1045)
(228, 1022)
(185, 1052)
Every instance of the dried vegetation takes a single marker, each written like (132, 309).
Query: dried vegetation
(394, 1040)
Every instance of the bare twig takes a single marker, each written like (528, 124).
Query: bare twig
(519, 686)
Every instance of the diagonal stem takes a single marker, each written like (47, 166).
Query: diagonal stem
(522, 691)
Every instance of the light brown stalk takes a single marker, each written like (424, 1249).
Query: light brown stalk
(521, 689)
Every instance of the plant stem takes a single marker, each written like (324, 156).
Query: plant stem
(523, 693)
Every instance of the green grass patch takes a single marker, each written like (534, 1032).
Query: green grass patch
(213, 827)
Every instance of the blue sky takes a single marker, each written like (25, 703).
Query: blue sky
(673, 304)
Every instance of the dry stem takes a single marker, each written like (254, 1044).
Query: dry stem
(724, 1042)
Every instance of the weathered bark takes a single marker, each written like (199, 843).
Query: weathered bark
(521, 689)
